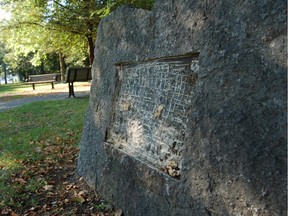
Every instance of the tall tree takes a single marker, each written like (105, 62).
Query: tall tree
(65, 27)
(3, 65)
(42, 27)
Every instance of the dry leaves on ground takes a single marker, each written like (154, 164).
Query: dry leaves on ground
(61, 192)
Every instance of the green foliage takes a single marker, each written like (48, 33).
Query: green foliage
(39, 28)
(146, 4)
(43, 27)
(110, 5)
(100, 207)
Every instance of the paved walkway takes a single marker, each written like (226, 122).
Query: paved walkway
(46, 97)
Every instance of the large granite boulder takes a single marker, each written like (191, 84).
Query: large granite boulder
(187, 114)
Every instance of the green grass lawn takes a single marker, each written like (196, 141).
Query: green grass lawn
(20, 90)
(33, 135)
(22, 87)
(14, 88)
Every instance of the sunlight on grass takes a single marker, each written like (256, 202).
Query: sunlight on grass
(12, 88)
(21, 90)
(7, 162)
(17, 91)
(23, 87)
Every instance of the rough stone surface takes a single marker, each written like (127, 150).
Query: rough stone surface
(233, 157)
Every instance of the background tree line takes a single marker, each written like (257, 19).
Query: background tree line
(44, 36)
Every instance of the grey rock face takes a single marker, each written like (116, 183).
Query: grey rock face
(200, 136)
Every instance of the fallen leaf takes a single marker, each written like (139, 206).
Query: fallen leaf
(83, 193)
(51, 182)
(13, 214)
(20, 180)
(68, 187)
(158, 111)
(48, 187)
(54, 203)
(79, 199)
(38, 149)
(118, 212)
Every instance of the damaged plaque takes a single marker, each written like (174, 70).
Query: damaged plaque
(150, 110)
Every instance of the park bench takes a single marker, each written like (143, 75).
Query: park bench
(42, 78)
(77, 74)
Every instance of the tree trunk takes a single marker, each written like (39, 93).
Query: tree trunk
(5, 77)
(89, 33)
(62, 66)
(91, 48)
(5, 72)
(42, 71)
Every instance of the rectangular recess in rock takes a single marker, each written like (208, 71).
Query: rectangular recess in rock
(150, 110)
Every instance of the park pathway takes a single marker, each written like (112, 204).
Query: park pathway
(45, 97)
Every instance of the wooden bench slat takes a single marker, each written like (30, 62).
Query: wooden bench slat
(36, 82)
(77, 74)
(42, 78)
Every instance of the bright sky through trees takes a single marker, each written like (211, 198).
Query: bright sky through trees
(4, 15)
(35, 34)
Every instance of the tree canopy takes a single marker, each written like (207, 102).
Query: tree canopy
(39, 29)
